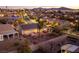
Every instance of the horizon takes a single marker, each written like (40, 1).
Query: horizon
(74, 4)
(31, 7)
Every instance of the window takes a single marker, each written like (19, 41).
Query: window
(1, 37)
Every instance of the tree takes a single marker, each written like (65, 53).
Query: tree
(16, 43)
(40, 25)
(24, 47)
(54, 29)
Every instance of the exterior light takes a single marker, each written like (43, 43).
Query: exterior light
(41, 19)
(72, 23)
(1, 15)
(76, 20)
(25, 14)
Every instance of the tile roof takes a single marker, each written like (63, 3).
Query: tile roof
(4, 28)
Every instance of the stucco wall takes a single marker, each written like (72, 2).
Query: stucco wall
(1, 38)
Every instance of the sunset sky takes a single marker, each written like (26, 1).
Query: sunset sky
(37, 3)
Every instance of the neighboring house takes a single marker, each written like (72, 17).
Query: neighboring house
(29, 28)
(7, 32)
(60, 24)
(69, 48)
(63, 24)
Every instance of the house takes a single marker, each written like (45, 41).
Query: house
(69, 48)
(29, 28)
(7, 32)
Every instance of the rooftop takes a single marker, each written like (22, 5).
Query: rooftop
(70, 47)
(29, 26)
(4, 28)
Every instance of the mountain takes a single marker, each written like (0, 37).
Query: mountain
(34, 7)
(61, 8)
(64, 8)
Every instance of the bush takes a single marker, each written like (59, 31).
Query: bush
(16, 44)
(24, 47)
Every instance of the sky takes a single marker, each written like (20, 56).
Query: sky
(37, 3)
(29, 7)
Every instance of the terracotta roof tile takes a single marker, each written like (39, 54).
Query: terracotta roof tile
(5, 28)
